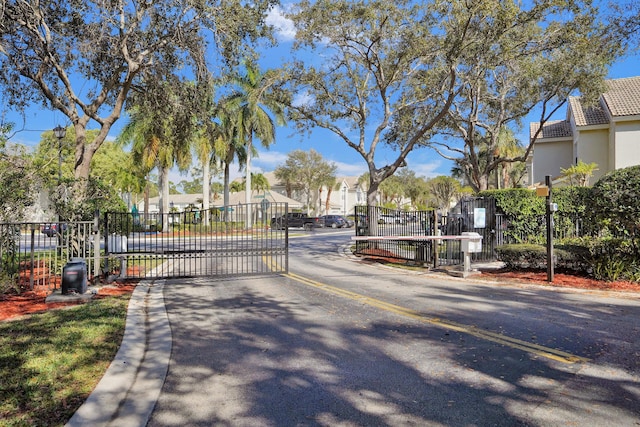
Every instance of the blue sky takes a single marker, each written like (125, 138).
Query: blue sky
(424, 162)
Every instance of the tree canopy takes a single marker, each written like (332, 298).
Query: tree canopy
(399, 73)
(18, 179)
(310, 172)
(520, 60)
(379, 59)
(84, 58)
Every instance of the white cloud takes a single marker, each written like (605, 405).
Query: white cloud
(302, 99)
(427, 170)
(268, 160)
(351, 169)
(285, 29)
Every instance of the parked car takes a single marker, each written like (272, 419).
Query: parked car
(334, 221)
(361, 222)
(348, 222)
(296, 219)
(51, 230)
(387, 219)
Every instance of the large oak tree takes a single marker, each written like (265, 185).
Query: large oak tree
(520, 60)
(398, 73)
(83, 58)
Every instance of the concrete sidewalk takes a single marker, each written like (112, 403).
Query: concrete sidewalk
(127, 393)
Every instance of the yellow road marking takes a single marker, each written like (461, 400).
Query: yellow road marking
(539, 350)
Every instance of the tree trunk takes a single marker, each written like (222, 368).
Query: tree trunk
(372, 211)
(206, 190)
(483, 183)
(247, 196)
(146, 201)
(164, 197)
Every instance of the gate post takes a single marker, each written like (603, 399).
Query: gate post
(96, 245)
(434, 243)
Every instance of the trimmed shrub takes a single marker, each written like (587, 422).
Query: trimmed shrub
(525, 213)
(615, 202)
(608, 259)
(521, 256)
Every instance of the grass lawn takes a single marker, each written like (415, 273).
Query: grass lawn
(50, 362)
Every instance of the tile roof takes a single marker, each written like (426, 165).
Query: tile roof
(622, 97)
(586, 116)
(551, 129)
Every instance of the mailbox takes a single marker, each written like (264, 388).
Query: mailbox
(472, 243)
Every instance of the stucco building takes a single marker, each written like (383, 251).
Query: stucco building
(607, 134)
(343, 197)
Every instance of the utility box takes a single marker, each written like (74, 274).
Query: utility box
(472, 243)
(74, 277)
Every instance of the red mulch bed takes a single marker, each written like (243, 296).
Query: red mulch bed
(538, 277)
(12, 306)
(560, 279)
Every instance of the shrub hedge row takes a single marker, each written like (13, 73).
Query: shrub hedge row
(608, 259)
(600, 227)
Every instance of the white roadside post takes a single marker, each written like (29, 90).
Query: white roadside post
(470, 243)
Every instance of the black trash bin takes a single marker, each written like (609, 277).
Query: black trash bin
(74, 277)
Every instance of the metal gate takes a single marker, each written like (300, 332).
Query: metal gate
(476, 214)
(471, 214)
(227, 241)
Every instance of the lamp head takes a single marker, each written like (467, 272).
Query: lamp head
(59, 132)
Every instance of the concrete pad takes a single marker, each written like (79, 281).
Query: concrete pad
(57, 296)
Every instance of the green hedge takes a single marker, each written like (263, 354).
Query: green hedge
(524, 212)
(519, 256)
(602, 258)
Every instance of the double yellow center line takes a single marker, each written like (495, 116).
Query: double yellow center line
(539, 350)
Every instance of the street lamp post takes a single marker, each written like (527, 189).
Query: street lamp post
(59, 133)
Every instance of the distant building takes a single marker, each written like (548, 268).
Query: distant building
(607, 134)
(184, 202)
(344, 196)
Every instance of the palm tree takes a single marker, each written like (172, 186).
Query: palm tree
(204, 152)
(212, 145)
(259, 182)
(580, 173)
(154, 145)
(251, 103)
(287, 178)
(227, 145)
(236, 187)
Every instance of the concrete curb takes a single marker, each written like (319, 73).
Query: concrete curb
(129, 389)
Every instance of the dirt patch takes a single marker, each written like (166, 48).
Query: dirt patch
(13, 306)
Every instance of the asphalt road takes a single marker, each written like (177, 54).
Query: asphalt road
(337, 342)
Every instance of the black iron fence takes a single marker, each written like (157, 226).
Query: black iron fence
(32, 255)
(476, 215)
(375, 221)
(233, 240)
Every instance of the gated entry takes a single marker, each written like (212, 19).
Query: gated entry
(228, 241)
(471, 214)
